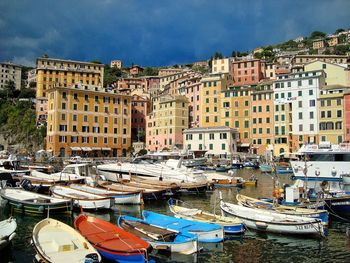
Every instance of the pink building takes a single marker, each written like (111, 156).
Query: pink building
(247, 72)
(41, 110)
(140, 107)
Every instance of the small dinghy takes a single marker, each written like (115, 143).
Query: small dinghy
(7, 231)
(82, 199)
(112, 242)
(119, 197)
(211, 233)
(29, 202)
(283, 209)
(159, 237)
(231, 225)
(55, 241)
(269, 221)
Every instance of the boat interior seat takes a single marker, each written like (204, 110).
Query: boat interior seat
(61, 243)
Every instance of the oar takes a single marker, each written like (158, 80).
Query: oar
(142, 231)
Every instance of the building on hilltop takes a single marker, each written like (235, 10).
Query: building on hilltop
(116, 64)
(134, 70)
(247, 72)
(10, 72)
(169, 117)
(88, 120)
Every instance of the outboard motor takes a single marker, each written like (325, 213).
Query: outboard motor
(27, 185)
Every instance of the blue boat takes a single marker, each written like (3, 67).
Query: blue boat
(159, 237)
(265, 168)
(211, 233)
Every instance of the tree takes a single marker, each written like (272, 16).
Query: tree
(317, 34)
(142, 152)
(111, 75)
(148, 71)
(342, 38)
(218, 55)
(339, 30)
(341, 49)
(95, 61)
(10, 89)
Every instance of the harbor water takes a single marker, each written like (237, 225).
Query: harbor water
(250, 247)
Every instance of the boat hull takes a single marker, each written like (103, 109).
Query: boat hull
(7, 232)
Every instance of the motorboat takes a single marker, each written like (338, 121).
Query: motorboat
(112, 242)
(55, 241)
(170, 170)
(324, 161)
(160, 238)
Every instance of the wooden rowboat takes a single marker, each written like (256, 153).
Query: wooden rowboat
(159, 237)
(7, 231)
(119, 197)
(112, 242)
(29, 202)
(55, 241)
(231, 225)
(82, 199)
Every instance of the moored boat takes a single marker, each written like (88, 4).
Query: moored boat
(119, 197)
(112, 242)
(160, 237)
(7, 231)
(268, 221)
(230, 225)
(205, 232)
(29, 202)
(82, 199)
(288, 210)
(55, 241)
(265, 168)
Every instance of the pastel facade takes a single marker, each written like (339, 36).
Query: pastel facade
(169, 117)
(135, 70)
(332, 41)
(116, 64)
(332, 114)
(212, 86)
(296, 115)
(247, 72)
(88, 121)
(347, 116)
(53, 73)
(10, 72)
(214, 141)
(335, 74)
(140, 108)
(223, 65)
(169, 71)
(166, 79)
(304, 59)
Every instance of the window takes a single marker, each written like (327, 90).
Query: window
(312, 128)
(339, 113)
(223, 146)
(324, 66)
(63, 105)
(300, 127)
(200, 136)
(310, 82)
(300, 93)
(329, 114)
(300, 115)
(300, 104)
(299, 83)
(75, 117)
(207, 119)
(246, 124)
(210, 146)
(311, 92)
(311, 114)
(63, 117)
(312, 103)
(86, 107)
(85, 118)
(106, 119)
(75, 106)
(211, 136)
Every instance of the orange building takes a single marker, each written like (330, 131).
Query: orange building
(140, 107)
(247, 72)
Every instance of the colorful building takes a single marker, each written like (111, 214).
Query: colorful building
(140, 108)
(87, 120)
(247, 72)
(10, 72)
(169, 117)
(347, 116)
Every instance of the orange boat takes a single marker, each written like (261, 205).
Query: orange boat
(112, 242)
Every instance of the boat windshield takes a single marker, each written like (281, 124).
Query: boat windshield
(341, 157)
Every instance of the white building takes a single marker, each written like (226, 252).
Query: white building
(214, 141)
(222, 66)
(295, 105)
(116, 64)
(8, 72)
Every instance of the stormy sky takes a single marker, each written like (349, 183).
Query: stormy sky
(158, 32)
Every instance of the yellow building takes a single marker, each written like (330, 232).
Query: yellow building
(318, 43)
(236, 113)
(166, 122)
(331, 114)
(53, 72)
(89, 121)
(212, 86)
(335, 74)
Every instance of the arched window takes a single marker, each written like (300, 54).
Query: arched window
(330, 126)
(338, 125)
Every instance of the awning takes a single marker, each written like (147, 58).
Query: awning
(106, 149)
(244, 145)
(75, 148)
(86, 149)
(96, 148)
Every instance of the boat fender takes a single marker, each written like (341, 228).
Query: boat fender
(12, 236)
(276, 193)
(19, 206)
(41, 208)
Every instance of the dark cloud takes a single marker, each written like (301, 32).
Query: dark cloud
(157, 32)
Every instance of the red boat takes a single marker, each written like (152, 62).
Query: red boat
(112, 242)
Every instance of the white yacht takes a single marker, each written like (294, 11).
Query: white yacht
(171, 170)
(322, 162)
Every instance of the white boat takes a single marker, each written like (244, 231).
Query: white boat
(82, 199)
(55, 241)
(171, 170)
(322, 162)
(119, 197)
(346, 178)
(268, 221)
(7, 231)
